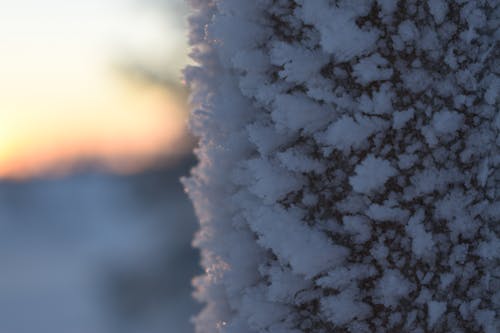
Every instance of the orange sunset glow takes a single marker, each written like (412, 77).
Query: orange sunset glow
(62, 100)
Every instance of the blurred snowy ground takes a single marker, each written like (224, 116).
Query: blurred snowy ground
(97, 253)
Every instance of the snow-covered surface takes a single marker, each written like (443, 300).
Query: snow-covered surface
(349, 149)
(96, 253)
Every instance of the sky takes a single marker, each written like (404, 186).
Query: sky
(63, 97)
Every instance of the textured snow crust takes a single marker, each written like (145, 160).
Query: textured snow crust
(349, 165)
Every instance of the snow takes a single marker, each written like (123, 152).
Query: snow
(371, 174)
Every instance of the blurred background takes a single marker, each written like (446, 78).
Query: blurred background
(95, 228)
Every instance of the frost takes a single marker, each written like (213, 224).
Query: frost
(372, 68)
(491, 94)
(422, 242)
(385, 213)
(401, 118)
(342, 308)
(408, 31)
(349, 155)
(284, 236)
(392, 287)
(435, 310)
(285, 284)
(445, 122)
(490, 249)
(265, 138)
(359, 226)
(388, 6)
(346, 133)
(483, 172)
(271, 181)
(343, 277)
(438, 9)
(487, 319)
(340, 35)
(446, 280)
(433, 179)
(296, 112)
(417, 80)
(295, 160)
(300, 65)
(382, 99)
(371, 174)
(407, 161)
(263, 312)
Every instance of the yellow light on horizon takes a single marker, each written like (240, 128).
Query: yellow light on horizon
(60, 100)
(123, 140)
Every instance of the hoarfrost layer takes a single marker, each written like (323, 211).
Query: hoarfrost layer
(349, 165)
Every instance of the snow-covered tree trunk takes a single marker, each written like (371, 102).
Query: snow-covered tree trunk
(349, 165)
